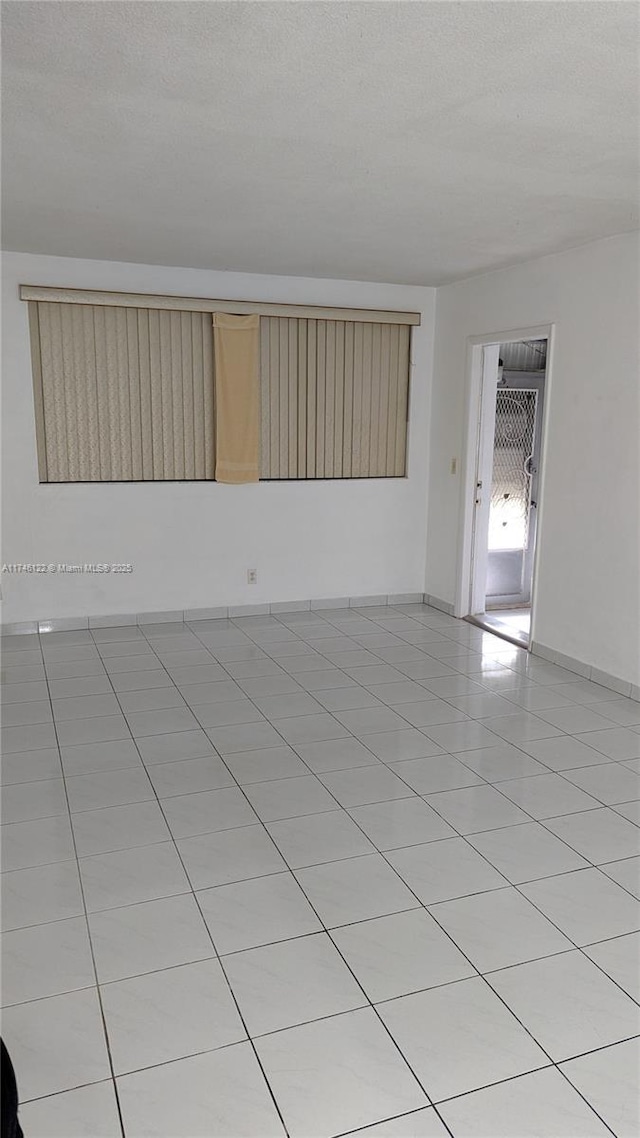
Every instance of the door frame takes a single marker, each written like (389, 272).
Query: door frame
(476, 431)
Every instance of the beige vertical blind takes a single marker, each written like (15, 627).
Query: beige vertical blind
(334, 398)
(124, 390)
(236, 353)
(122, 394)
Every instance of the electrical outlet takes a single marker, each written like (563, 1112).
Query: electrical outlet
(252, 576)
(454, 465)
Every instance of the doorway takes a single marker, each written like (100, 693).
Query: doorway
(507, 480)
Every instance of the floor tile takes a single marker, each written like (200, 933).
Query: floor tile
(521, 727)
(311, 728)
(30, 766)
(269, 685)
(342, 892)
(466, 736)
(126, 877)
(40, 842)
(46, 960)
(630, 810)
(198, 674)
(438, 772)
(575, 719)
(562, 753)
(28, 801)
(170, 1014)
(608, 1079)
(525, 853)
(97, 730)
(245, 737)
(30, 738)
(175, 747)
(222, 1093)
(499, 929)
(599, 835)
(281, 985)
(483, 706)
(617, 743)
(359, 1076)
(289, 798)
(442, 870)
(625, 872)
(586, 692)
(542, 1105)
(495, 764)
(161, 721)
(35, 896)
(207, 812)
(473, 809)
(84, 707)
(429, 711)
(371, 721)
(401, 822)
(263, 766)
(261, 911)
(140, 681)
(319, 678)
(567, 1004)
(286, 706)
(25, 692)
(26, 714)
(119, 828)
(74, 1114)
(318, 838)
(150, 699)
(108, 788)
(625, 712)
(232, 855)
(396, 746)
(373, 674)
(620, 959)
(189, 776)
(404, 691)
(405, 952)
(87, 758)
(610, 783)
(56, 1043)
(75, 669)
(547, 796)
(585, 905)
(148, 937)
(459, 1037)
(365, 784)
(336, 754)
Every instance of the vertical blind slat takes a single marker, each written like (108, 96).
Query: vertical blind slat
(283, 427)
(265, 389)
(302, 399)
(338, 418)
(347, 434)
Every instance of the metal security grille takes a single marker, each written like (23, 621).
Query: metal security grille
(511, 476)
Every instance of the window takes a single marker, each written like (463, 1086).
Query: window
(124, 388)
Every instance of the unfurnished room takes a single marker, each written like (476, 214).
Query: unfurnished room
(320, 587)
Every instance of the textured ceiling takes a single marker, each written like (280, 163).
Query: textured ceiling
(411, 142)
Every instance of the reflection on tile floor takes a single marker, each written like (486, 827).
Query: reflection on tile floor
(368, 870)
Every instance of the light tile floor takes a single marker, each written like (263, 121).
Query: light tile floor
(367, 871)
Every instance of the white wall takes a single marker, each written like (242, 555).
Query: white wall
(192, 543)
(588, 584)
